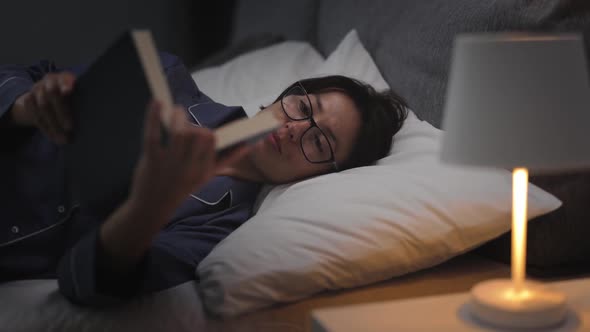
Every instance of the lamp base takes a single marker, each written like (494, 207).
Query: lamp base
(496, 302)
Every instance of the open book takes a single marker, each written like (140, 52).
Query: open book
(109, 103)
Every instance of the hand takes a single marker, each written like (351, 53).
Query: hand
(45, 106)
(166, 175)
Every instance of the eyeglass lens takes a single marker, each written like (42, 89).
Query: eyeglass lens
(314, 143)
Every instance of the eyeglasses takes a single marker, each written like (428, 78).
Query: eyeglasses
(314, 143)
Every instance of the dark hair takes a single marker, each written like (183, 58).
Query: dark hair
(382, 115)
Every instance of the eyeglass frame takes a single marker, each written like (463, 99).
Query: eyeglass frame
(312, 124)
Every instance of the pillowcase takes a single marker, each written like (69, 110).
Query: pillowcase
(232, 82)
(350, 58)
(256, 74)
(361, 225)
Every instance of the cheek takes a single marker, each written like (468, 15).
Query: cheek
(289, 167)
(302, 169)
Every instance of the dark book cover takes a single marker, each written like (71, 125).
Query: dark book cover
(108, 104)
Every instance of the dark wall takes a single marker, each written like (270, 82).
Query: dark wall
(76, 31)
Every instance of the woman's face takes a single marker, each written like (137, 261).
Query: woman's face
(279, 157)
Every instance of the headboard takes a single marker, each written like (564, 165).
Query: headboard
(411, 42)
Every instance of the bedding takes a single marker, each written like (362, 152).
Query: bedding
(409, 41)
(37, 305)
(361, 225)
(257, 74)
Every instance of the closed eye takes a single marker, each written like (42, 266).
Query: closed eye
(320, 108)
(304, 108)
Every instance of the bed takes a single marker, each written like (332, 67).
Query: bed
(407, 47)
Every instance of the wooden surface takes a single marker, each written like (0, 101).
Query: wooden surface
(442, 313)
(456, 275)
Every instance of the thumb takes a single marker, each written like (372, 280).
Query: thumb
(66, 82)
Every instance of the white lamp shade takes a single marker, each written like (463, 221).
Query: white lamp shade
(517, 100)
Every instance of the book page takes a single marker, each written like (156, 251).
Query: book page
(246, 129)
(152, 67)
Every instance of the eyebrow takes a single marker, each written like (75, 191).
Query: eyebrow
(327, 129)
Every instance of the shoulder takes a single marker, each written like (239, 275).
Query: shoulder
(169, 60)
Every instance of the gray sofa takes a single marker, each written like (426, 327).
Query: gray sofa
(411, 42)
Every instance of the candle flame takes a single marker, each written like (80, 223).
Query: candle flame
(519, 219)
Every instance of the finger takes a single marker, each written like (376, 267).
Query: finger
(178, 132)
(183, 141)
(66, 82)
(209, 157)
(151, 133)
(203, 152)
(189, 141)
(46, 120)
(47, 113)
(31, 104)
(202, 138)
(59, 104)
(42, 108)
(55, 105)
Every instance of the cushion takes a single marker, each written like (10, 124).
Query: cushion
(257, 74)
(361, 225)
(350, 54)
(411, 41)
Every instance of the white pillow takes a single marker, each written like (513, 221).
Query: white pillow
(361, 225)
(259, 73)
(350, 58)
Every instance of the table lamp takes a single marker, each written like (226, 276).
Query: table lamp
(520, 102)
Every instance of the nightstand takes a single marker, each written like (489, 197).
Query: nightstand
(440, 313)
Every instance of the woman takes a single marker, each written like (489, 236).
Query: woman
(183, 200)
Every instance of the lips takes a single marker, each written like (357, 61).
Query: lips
(275, 141)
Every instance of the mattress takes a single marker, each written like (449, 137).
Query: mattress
(37, 305)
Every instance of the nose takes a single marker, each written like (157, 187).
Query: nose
(294, 129)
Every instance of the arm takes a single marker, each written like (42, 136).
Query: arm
(117, 252)
(170, 260)
(107, 265)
